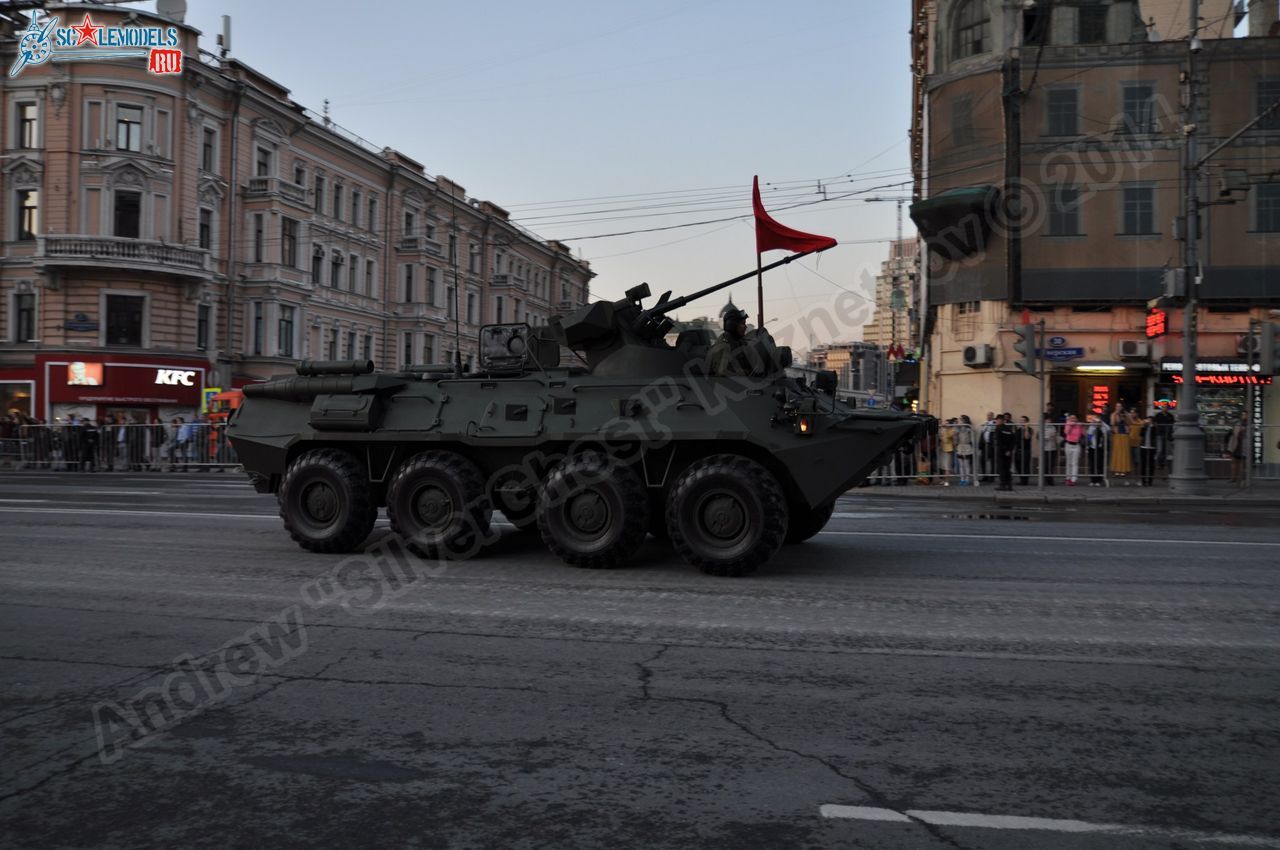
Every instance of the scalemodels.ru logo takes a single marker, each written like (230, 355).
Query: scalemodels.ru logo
(94, 42)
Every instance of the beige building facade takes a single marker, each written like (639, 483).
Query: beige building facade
(205, 224)
(896, 320)
(1075, 113)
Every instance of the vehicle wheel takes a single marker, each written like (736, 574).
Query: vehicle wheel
(727, 515)
(325, 501)
(436, 502)
(804, 523)
(517, 498)
(591, 513)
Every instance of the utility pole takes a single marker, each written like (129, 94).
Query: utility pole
(1188, 476)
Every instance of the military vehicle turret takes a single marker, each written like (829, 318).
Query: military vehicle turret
(639, 438)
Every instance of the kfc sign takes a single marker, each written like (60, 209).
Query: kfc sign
(175, 377)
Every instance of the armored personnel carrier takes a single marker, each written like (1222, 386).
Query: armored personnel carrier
(638, 438)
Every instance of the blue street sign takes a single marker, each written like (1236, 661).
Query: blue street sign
(1058, 355)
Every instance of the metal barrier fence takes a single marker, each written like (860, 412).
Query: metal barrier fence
(119, 448)
(967, 455)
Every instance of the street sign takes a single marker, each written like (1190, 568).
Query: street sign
(1061, 355)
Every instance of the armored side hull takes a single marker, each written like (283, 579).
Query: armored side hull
(728, 466)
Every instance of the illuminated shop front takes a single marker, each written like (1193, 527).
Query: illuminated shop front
(99, 385)
(1225, 388)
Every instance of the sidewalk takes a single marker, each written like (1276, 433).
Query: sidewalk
(1262, 493)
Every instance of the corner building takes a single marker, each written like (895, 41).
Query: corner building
(168, 234)
(1078, 105)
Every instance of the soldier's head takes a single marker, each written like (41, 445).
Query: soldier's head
(735, 322)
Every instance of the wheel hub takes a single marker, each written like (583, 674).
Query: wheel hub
(724, 517)
(320, 501)
(588, 512)
(433, 506)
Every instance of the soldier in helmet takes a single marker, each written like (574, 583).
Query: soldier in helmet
(726, 354)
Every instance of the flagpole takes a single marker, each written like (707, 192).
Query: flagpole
(759, 291)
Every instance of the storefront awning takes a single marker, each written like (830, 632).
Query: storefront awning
(956, 223)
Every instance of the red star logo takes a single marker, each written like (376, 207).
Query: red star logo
(88, 31)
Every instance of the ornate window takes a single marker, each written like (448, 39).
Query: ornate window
(972, 29)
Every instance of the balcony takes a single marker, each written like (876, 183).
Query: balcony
(269, 187)
(511, 281)
(122, 253)
(420, 245)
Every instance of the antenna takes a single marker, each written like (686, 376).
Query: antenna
(224, 40)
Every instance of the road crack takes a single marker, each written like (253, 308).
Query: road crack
(646, 677)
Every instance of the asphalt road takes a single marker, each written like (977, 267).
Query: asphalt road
(177, 673)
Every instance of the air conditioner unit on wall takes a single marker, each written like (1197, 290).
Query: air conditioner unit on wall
(1134, 349)
(976, 356)
(1247, 344)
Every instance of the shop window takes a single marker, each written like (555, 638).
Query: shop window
(128, 214)
(124, 319)
(129, 128)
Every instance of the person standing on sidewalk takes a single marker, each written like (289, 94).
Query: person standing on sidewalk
(964, 451)
(1236, 443)
(1146, 440)
(1096, 444)
(1005, 438)
(1073, 434)
(1026, 440)
(946, 450)
(1121, 425)
(987, 448)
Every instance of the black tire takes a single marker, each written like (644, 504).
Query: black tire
(437, 504)
(804, 523)
(727, 515)
(326, 502)
(591, 513)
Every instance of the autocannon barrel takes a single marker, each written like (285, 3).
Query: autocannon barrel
(301, 388)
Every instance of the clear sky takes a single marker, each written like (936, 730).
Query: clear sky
(592, 117)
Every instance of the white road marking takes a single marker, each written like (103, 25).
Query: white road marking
(24, 501)
(985, 821)
(1144, 540)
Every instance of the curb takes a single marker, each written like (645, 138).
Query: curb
(1036, 498)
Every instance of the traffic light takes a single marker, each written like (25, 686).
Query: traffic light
(1268, 348)
(1025, 345)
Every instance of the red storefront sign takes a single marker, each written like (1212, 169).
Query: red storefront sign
(99, 379)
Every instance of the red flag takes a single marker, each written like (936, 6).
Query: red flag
(771, 235)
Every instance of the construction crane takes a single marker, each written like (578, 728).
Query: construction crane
(896, 302)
